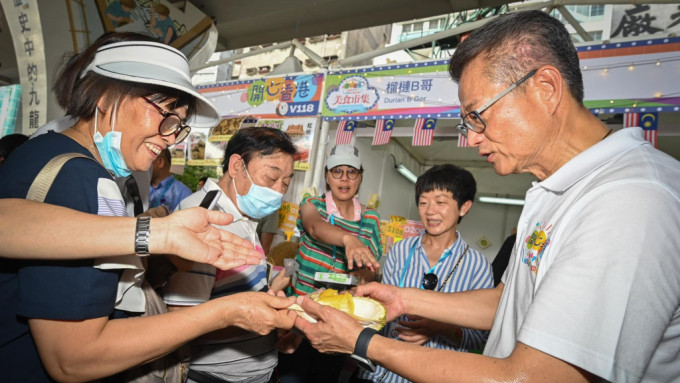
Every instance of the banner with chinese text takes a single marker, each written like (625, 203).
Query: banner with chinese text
(412, 90)
(23, 20)
(269, 98)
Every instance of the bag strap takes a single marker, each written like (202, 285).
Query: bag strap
(43, 181)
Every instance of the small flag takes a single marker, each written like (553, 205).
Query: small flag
(630, 120)
(423, 131)
(649, 122)
(462, 141)
(383, 132)
(343, 135)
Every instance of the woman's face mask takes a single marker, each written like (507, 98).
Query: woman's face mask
(109, 146)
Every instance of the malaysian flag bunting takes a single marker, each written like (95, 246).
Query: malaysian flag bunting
(630, 120)
(649, 122)
(462, 141)
(383, 132)
(423, 131)
(343, 135)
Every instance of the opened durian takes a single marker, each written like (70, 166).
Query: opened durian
(368, 312)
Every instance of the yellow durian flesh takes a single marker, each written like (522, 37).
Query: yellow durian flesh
(369, 312)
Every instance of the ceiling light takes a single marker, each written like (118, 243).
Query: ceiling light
(502, 201)
(403, 170)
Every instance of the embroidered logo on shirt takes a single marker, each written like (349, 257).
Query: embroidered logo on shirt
(535, 245)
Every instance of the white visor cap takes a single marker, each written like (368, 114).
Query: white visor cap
(344, 155)
(149, 62)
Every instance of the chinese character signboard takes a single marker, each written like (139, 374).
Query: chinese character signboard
(268, 98)
(645, 20)
(421, 89)
(23, 20)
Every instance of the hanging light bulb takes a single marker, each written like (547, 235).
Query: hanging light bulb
(631, 67)
(658, 62)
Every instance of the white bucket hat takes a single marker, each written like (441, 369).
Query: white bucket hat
(344, 155)
(153, 63)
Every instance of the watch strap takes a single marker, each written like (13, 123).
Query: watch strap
(361, 347)
(142, 234)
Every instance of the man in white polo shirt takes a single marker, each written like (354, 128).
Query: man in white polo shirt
(592, 290)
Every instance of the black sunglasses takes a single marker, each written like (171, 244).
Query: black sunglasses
(430, 281)
(170, 124)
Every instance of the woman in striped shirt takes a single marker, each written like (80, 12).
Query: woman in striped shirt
(439, 260)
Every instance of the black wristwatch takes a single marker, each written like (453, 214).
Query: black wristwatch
(361, 348)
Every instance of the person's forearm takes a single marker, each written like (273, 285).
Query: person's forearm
(36, 230)
(89, 354)
(33, 230)
(325, 232)
(423, 364)
(474, 309)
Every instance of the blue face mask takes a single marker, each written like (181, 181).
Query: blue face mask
(109, 147)
(260, 201)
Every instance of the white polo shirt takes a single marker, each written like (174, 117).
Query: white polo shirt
(595, 275)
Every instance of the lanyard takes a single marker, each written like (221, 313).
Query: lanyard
(410, 256)
(332, 222)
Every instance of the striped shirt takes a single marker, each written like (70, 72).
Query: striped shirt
(473, 272)
(316, 256)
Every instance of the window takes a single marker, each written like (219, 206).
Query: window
(437, 24)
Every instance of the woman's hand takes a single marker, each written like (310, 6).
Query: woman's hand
(418, 330)
(189, 234)
(358, 254)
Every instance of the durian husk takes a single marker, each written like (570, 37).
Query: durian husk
(368, 312)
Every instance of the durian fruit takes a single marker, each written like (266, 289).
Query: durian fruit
(368, 312)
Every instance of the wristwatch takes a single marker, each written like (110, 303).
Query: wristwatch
(142, 234)
(361, 348)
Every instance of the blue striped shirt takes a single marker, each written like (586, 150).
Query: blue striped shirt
(473, 272)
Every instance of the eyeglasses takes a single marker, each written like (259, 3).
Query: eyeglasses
(430, 281)
(171, 124)
(473, 120)
(338, 173)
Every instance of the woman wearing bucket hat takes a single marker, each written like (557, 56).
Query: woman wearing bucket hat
(80, 320)
(338, 235)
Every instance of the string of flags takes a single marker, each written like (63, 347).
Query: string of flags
(648, 121)
(423, 130)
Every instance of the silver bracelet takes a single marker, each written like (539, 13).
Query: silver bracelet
(142, 234)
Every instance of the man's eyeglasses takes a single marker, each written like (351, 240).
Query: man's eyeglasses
(171, 124)
(473, 120)
(352, 173)
(430, 281)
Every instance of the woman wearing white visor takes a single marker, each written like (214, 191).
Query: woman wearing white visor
(80, 320)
